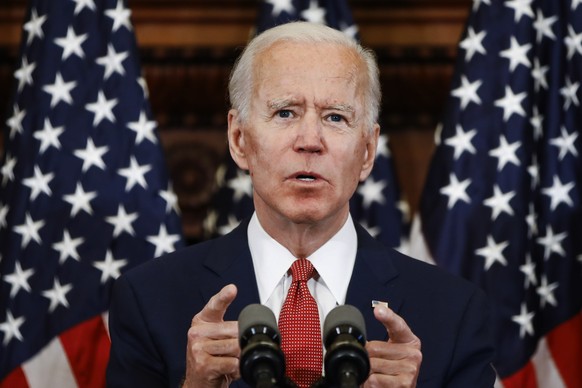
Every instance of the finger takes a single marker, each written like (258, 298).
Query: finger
(398, 330)
(217, 305)
(211, 330)
(218, 348)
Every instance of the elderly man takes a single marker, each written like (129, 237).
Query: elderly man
(303, 122)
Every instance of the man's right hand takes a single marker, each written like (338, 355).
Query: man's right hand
(212, 358)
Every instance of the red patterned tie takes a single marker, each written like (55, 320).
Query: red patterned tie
(300, 330)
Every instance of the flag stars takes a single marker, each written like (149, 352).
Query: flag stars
(505, 153)
(315, 13)
(543, 26)
(231, 223)
(371, 191)
(575, 4)
(171, 200)
(67, 247)
(462, 141)
(573, 42)
(539, 75)
(517, 54)
(49, 136)
(15, 121)
(143, 128)
(163, 241)
(110, 268)
(82, 4)
(120, 16)
(537, 122)
(29, 230)
(122, 221)
(91, 155)
(33, 27)
(24, 74)
(18, 279)
(60, 90)
(552, 243)
(467, 92)
(456, 191)
(521, 8)
(559, 193)
(39, 183)
(569, 93)
(531, 221)
(511, 103)
(102, 109)
(565, 143)
(280, 6)
(113, 61)
(524, 320)
(3, 213)
(57, 295)
(241, 185)
(135, 174)
(546, 292)
(71, 44)
(493, 253)
(499, 202)
(529, 271)
(7, 169)
(473, 43)
(80, 200)
(382, 148)
(11, 328)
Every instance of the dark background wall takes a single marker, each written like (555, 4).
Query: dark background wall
(187, 48)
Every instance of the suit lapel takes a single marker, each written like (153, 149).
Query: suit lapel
(231, 262)
(374, 278)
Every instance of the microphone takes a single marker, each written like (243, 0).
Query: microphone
(262, 363)
(346, 362)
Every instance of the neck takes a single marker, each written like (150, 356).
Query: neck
(302, 238)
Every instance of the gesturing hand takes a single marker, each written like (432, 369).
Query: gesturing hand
(212, 358)
(394, 363)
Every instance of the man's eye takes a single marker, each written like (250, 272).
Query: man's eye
(336, 118)
(284, 114)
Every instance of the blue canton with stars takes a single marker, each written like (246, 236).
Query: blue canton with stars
(84, 194)
(502, 203)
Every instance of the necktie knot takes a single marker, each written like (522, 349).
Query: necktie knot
(302, 270)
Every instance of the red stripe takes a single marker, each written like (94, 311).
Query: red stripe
(523, 378)
(87, 348)
(16, 379)
(565, 343)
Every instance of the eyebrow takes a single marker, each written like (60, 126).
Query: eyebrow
(342, 107)
(281, 103)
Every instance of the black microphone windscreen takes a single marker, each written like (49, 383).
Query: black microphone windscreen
(254, 315)
(344, 315)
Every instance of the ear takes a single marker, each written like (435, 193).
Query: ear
(370, 154)
(236, 139)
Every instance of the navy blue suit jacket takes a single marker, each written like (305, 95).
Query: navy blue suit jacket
(153, 306)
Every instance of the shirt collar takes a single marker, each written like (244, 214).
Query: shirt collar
(334, 261)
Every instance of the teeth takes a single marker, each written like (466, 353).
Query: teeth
(306, 178)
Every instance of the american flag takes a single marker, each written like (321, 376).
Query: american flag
(376, 203)
(84, 192)
(502, 205)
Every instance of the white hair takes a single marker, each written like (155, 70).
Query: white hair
(240, 86)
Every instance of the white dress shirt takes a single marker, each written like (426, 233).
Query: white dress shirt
(334, 262)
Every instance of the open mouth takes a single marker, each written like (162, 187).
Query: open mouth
(306, 178)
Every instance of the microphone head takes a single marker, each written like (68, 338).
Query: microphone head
(257, 319)
(344, 319)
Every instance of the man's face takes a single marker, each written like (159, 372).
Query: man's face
(305, 143)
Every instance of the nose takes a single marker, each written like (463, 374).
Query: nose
(309, 137)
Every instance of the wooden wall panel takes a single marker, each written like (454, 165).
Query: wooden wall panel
(187, 48)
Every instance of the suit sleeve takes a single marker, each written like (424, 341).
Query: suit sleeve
(473, 355)
(133, 359)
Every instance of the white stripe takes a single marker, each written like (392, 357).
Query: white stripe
(105, 317)
(547, 373)
(50, 368)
